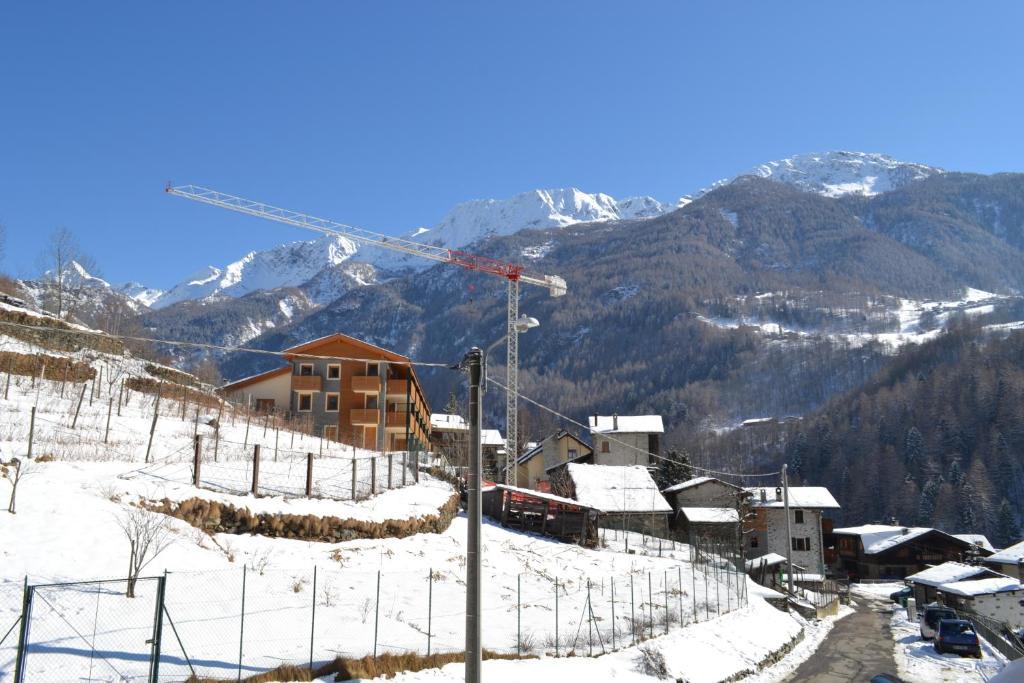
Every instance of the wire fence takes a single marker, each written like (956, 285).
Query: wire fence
(234, 623)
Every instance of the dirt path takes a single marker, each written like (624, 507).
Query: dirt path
(858, 647)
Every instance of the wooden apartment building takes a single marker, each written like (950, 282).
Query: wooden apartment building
(351, 390)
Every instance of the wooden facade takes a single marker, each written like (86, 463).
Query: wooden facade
(352, 391)
(542, 513)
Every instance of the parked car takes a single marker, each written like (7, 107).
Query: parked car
(930, 617)
(957, 636)
(905, 592)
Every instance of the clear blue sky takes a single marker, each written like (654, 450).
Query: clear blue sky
(387, 114)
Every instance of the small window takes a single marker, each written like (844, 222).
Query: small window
(801, 543)
(265, 405)
(604, 446)
(753, 541)
(331, 432)
(305, 369)
(572, 453)
(331, 402)
(371, 370)
(334, 371)
(305, 403)
(798, 516)
(371, 402)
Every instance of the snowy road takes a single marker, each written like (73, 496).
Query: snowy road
(859, 647)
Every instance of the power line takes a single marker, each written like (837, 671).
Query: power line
(212, 347)
(623, 443)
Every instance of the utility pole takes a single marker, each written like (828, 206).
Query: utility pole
(789, 527)
(473, 362)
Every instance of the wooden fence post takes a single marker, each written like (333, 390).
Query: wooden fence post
(156, 412)
(81, 397)
(309, 475)
(120, 399)
(110, 410)
(354, 461)
(255, 469)
(197, 461)
(31, 431)
(216, 431)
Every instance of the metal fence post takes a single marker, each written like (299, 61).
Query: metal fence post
(158, 629)
(26, 617)
(241, 627)
(373, 475)
(430, 606)
(309, 476)
(632, 609)
(679, 591)
(31, 430)
(390, 469)
(312, 620)
(353, 478)
(664, 596)
(376, 616)
(556, 616)
(650, 603)
(519, 617)
(197, 460)
(613, 612)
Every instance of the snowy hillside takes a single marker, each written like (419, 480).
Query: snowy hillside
(834, 174)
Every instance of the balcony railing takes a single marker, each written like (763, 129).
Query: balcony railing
(364, 416)
(307, 382)
(366, 384)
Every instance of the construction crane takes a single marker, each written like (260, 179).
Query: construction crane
(512, 272)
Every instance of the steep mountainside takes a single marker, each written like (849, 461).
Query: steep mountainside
(934, 439)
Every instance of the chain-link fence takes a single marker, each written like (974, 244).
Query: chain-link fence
(232, 624)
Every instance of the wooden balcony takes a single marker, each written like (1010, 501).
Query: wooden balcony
(364, 416)
(366, 384)
(307, 383)
(397, 387)
(397, 419)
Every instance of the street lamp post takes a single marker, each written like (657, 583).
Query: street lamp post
(521, 324)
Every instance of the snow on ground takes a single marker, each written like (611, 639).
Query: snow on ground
(918, 662)
(876, 590)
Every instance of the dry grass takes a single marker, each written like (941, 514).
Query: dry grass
(355, 669)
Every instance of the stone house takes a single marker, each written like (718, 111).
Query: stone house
(627, 496)
(706, 506)
(625, 439)
(1009, 561)
(535, 466)
(767, 533)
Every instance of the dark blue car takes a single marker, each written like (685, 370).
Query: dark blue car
(958, 637)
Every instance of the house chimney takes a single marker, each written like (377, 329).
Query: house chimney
(778, 493)
(764, 496)
(615, 422)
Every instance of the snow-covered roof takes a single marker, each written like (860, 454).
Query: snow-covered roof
(878, 538)
(696, 481)
(769, 560)
(969, 589)
(711, 515)
(1011, 555)
(446, 421)
(754, 421)
(490, 437)
(541, 494)
(626, 424)
(615, 488)
(947, 572)
(799, 497)
(977, 539)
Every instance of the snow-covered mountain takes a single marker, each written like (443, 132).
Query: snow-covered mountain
(316, 263)
(834, 174)
(288, 265)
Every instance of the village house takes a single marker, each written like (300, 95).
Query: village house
(350, 391)
(999, 598)
(449, 437)
(706, 506)
(1009, 561)
(767, 530)
(535, 465)
(625, 439)
(626, 496)
(492, 452)
(882, 551)
(926, 583)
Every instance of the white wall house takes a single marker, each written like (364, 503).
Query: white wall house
(997, 598)
(625, 439)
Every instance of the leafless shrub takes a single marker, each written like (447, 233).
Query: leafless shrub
(327, 596)
(365, 609)
(651, 662)
(261, 561)
(148, 535)
(527, 643)
(15, 471)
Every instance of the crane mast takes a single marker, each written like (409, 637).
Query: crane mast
(513, 272)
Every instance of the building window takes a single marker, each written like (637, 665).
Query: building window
(801, 543)
(604, 446)
(305, 403)
(798, 516)
(331, 432)
(753, 541)
(572, 454)
(264, 405)
(334, 371)
(371, 402)
(305, 369)
(372, 370)
(331, 402)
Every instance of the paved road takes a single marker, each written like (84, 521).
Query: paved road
(858, 647)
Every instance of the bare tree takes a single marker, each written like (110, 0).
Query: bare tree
(14, 471)
(63, 285)
(148, 534)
